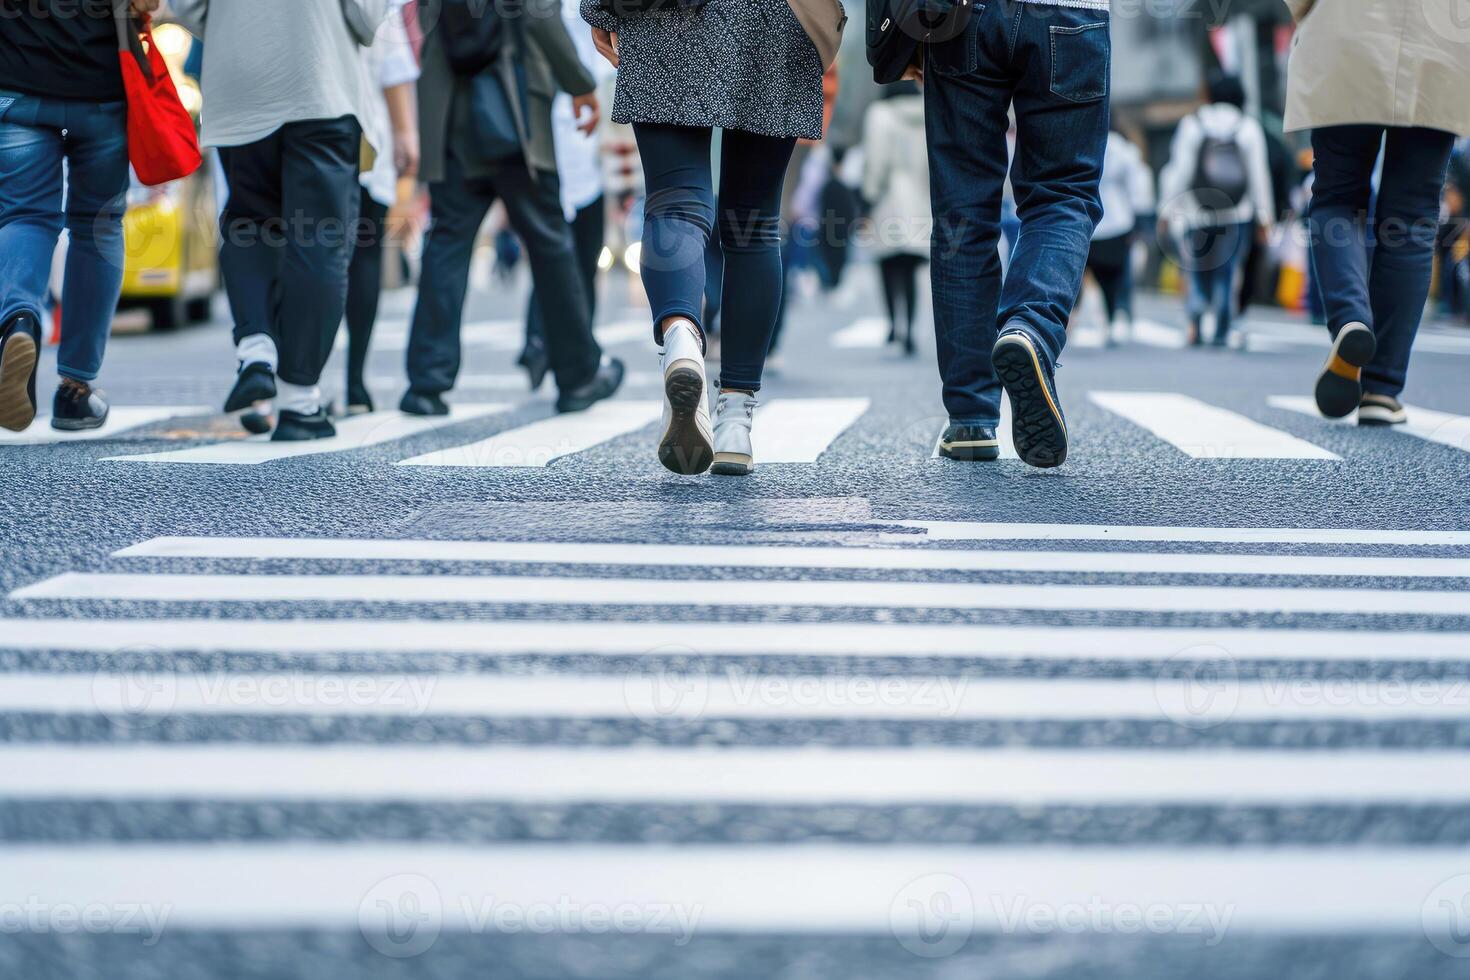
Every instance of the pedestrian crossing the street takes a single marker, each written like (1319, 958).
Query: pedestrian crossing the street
(1248, 718)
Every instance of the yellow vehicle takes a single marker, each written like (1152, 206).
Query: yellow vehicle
(171, 233)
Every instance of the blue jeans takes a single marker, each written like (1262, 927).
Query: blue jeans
(33, 211)
(679, 217)
(1376, 271)
(1211, 255)
(1051, 64)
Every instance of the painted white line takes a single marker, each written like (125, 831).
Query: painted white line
(1154, 334)
(802, 593)
(541, 442)
(980, 531)
(660, 774)
(736, 693)
(765, 556)
(508, 382)
(798, 430)
(868, 332)
(1424, 423)
(678, 892)
(1204, 431)
(330, 637)
(1002, 433)
(120, 419)
(357, 432)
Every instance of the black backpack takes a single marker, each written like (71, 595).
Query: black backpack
(475, 32)
(897, 27)
(1221, 175)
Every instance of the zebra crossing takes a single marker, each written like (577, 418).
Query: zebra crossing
(283, 735)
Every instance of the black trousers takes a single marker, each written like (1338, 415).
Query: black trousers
(900, 274)
(286, 238)
(458, 205)
(364, 287)
(1111, 263)
(589, 232)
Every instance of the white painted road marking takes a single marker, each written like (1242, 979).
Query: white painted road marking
(981, 531)
(869, 332)
(1424, 423)
(541, 442)
(1204, 431)
(798, 430)
(120, 419)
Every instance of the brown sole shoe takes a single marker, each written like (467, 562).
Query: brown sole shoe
(17, 381)
(1340, 385)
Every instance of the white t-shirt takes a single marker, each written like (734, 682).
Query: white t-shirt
(390, 62)
(578, 163)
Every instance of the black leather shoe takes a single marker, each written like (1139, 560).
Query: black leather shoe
(969, 442)
(77, 406)
(1037, 424)
(604, 384)
(254, 383)
(422, 403)
(256, 422)
(535, 360)
(359, 402)
(20, 340)
(295, 427)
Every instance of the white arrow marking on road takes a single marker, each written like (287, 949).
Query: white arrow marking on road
(733, 693)
(330, 637)
(868, 332)
(1204, 431)
(798, 430)
(539, 443)
(499, 589)
(770, 556)
(120, 419)
(981, 531)
(1424, 423)
(357, 432)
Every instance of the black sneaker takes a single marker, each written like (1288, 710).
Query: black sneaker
(255, 383)
(295, 427)
(535, 360)
(969, 442)
(257, 420)
(1381, 410)
(604, 384)
(422, 403)
(1037, 425)
(77, 406)
(1340, 385)
(20, 340)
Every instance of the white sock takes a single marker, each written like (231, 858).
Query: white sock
(681, 342)
(305, 399)
(257, 347)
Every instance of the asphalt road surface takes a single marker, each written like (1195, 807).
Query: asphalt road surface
(497, 696)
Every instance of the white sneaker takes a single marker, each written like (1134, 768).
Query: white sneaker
(734, 414)
(687, 444)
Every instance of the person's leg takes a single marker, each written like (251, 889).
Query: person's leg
(534, 210)
(890, 274)
(910, 296)
(1102, 263)
(1343, 159)
(457, 208)
(1405, 224)
(1235, 240)
(589, 235)
(252, 237)
(678, 219)
(319, 196)
(364, 289)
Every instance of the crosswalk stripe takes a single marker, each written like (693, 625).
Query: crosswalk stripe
(798, 430)
(357, 432)
(1204, 431)
(1003, 434)
(868, 332)
(546, 440)
(831, 639)
(737, 694)
(1424, 423)
(766, 556)
(509, 381)
(1153, 334)
(120, 419)
(796, 593)
(983, 531)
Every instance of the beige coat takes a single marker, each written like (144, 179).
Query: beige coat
(1384, 62)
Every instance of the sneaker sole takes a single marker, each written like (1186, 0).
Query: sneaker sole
(685, 448)
(1379, 417)
(1340, 385)
(17, 366)
(79, 425)
(1037, 426)
(971, 452)
(732, 464)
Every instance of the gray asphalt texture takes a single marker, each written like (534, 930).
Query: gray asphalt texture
(67, 510)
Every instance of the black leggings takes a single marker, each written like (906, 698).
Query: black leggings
(901, 293)
(589, 231)
(364, 288)
(1109, 262)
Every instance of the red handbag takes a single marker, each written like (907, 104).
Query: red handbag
(163, 143)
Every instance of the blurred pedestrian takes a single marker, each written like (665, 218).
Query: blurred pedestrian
(896, 193)
(392, 124)
(1215, 194)
(286, 96)
(1048, 60)
(1370, 79)
(1127, 191)
(755, 71)
(485, 115)
(61, 103)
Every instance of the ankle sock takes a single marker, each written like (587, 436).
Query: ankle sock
(302, 399)
(257, 347)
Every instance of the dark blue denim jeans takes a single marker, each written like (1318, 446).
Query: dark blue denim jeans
(1376, 270)
(1051, 64)
(38, 135)
(679, 217)
(1211, 255)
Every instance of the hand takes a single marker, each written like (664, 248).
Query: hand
(586, 110)
(607, 45)
(406, 152)
(915, 71)
(145, 7)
